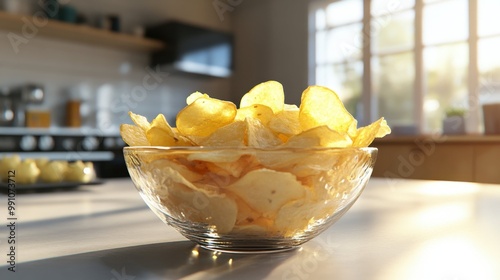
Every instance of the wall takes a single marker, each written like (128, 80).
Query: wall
(110, 81)
(271, 44)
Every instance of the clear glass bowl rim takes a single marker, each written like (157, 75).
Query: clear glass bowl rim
(230, 148)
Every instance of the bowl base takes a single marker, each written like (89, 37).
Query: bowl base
(249, 251)
(231, 243)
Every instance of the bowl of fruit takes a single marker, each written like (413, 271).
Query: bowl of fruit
(264, 177)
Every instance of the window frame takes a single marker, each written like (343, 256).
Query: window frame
(368, 100)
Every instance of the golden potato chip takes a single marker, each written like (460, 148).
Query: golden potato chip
(365, 135)
(161, 122)
(195, 95)
(266, 190)
(268, 93)
(321, 106)
(321, 136)
(159, 137)
(231, 135)
(300, 164)
(204, 116)
(353, 129)
(236, 168)
(140, 121)
(257, 111)
(246, 215)
(160, 133)
(250, 229)
(199, 204)
(217, 155)
(295, 216)
(225, 171)
(183, 171)
(384, 129)
(286, 122)
(133, 135)
(259, 136)
(185, 203)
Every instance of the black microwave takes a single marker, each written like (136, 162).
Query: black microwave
(192, 49)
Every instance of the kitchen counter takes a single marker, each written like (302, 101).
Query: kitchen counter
(398, 229)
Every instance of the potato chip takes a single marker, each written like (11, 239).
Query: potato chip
(183, 171)
(140, 121)
(204, 116)
(246, 215)
(257, 111)
(199, 204)
(225, 169)
(321, 106)
(161, 122)
(245, 163)
(217, 155)
(218, 212)
(133, 135)
(259, 136)
(231, 135)
(320, 136)
(286, 122)
(159, 137)
(194, 140)
(269, 93)
(160, 133)
(250, 229)
(195, 95)
(353, 129)
(366, 135)
(266, 190)
(301, 164)
(295, 216)
(384, 129)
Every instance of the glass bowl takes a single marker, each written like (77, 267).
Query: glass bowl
(249, 199)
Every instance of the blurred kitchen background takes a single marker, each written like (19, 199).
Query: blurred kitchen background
(430, 67)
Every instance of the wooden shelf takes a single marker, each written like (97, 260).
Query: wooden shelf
(80, 33)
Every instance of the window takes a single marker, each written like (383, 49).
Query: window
(408, 60)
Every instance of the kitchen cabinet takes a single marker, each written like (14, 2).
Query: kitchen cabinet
(27, 27)
(487, 169)
(453, 158)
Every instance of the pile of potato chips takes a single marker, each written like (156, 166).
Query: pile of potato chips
(262, 121)
(277, 189)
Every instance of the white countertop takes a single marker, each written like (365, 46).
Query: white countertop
(396, 230)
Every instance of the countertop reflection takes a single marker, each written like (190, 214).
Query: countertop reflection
(405, 229)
